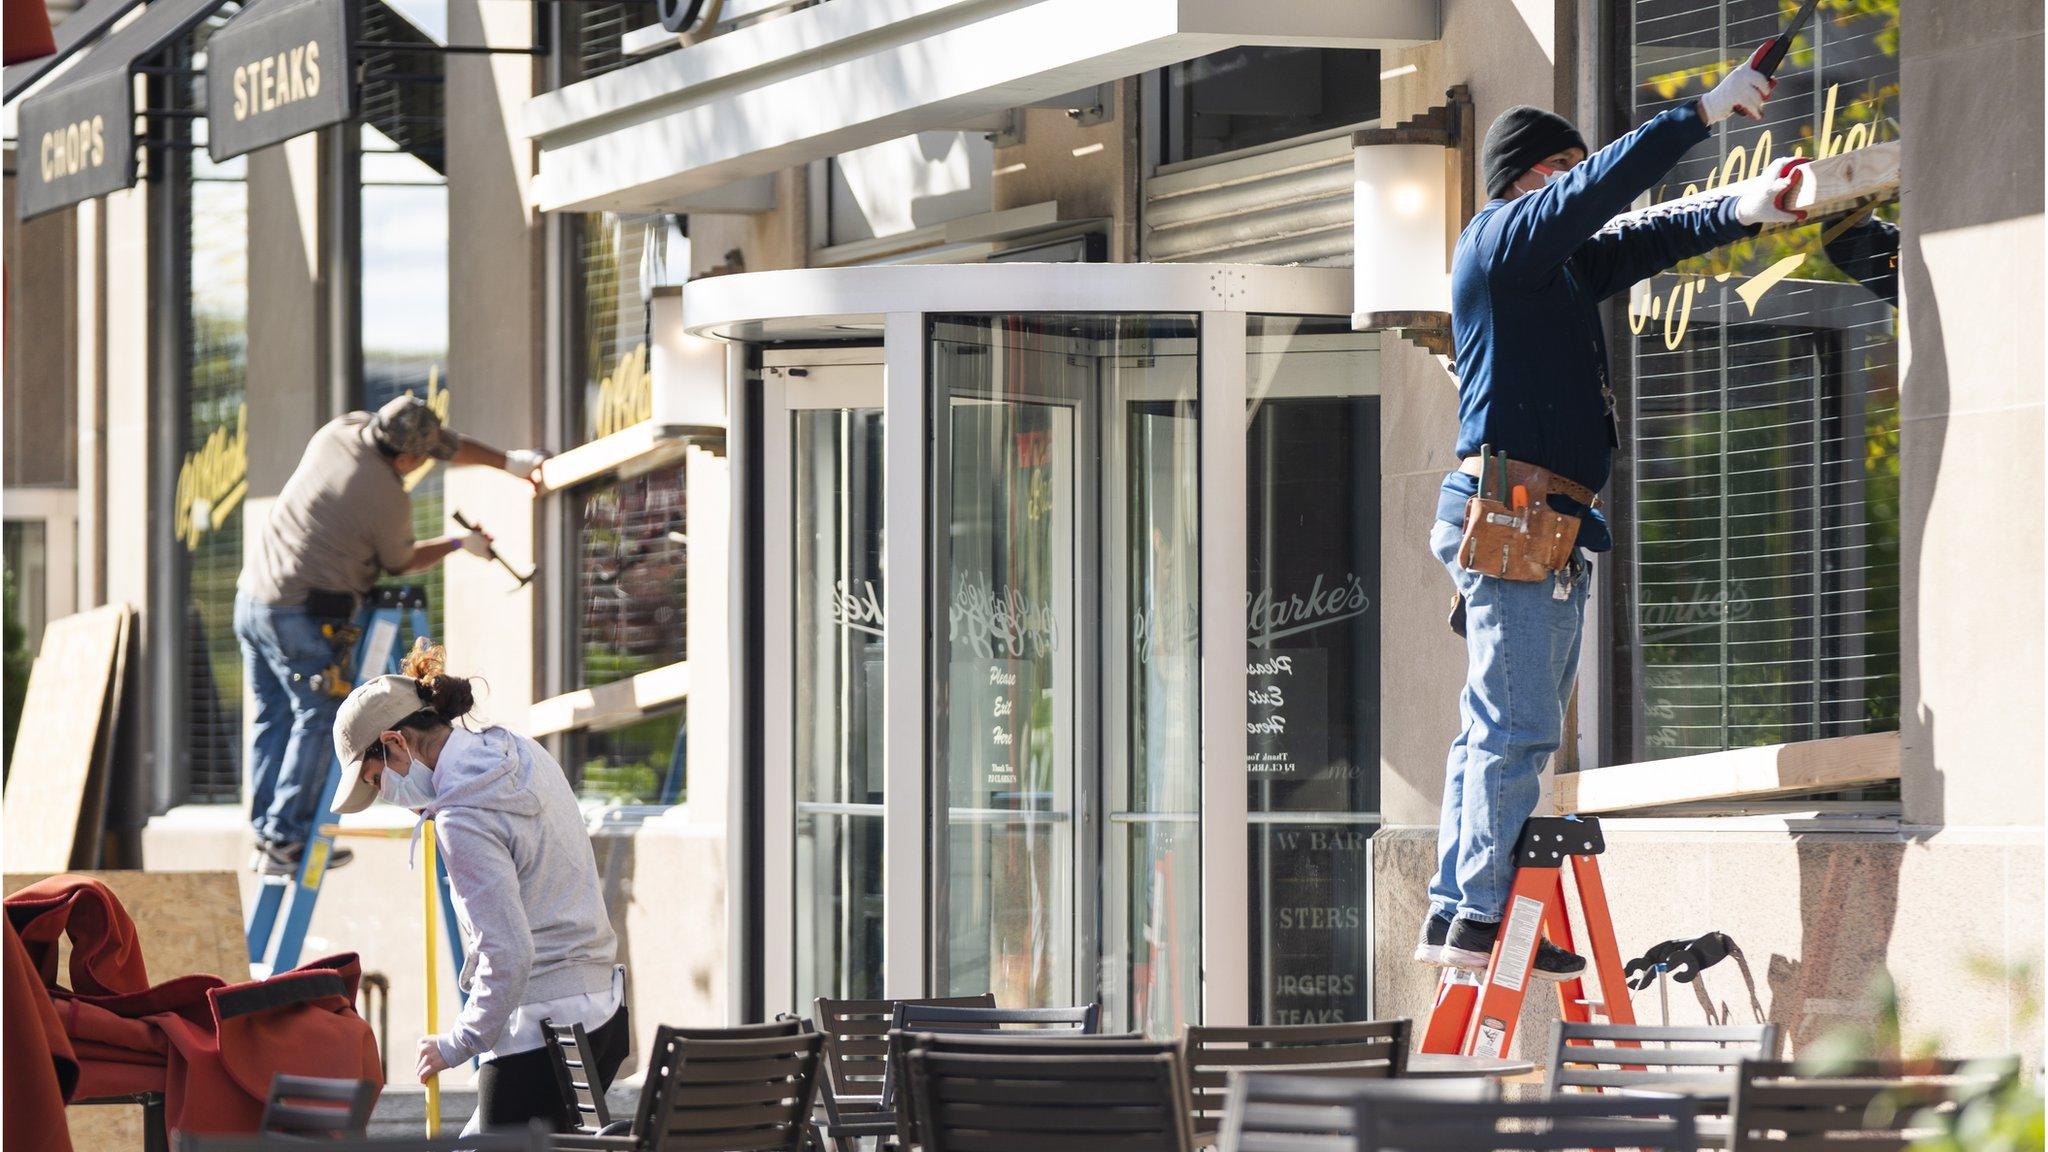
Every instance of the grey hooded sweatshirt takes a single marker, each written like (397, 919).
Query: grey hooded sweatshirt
(525, 882)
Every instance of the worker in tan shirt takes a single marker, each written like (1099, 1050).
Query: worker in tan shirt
(343, 520)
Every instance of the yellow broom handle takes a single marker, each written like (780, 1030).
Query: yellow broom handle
(432, 907)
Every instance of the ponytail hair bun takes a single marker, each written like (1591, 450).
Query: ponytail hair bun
(448, 697)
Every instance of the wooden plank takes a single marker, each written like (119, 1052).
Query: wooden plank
(1836, 184)
(610, 704)
(641, 448)
(1740, 773)
(51, 786)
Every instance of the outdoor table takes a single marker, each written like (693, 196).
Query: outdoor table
(1442, 1066)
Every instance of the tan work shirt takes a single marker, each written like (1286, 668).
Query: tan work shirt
(343, 519)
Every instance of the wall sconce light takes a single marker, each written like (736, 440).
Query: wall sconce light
(1412, 193)
(687, 377)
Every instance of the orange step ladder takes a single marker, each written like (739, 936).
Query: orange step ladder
(1475, 1015)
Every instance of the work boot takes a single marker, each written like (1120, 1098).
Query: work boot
(1471, 946)
(276, 858)
(1435, 930)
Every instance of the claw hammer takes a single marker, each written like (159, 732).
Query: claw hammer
(502, 562)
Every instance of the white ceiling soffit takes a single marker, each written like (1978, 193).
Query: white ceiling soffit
(849, 73)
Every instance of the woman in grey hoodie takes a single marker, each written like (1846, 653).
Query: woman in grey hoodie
(538, 942)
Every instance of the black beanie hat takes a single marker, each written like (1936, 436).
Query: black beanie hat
(1523, 137)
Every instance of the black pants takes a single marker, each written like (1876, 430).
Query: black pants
(512, 1090)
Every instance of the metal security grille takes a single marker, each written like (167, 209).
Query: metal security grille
(213, 262)
(596, 32)
(1758, 545)
(616, 263)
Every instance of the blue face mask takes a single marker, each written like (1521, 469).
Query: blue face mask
(414, 790)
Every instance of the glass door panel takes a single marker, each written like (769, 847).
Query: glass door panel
(837, 638)
(1152, 722)
(1312, 663)
(1005, 700)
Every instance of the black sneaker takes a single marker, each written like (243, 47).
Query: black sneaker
(1469, 944)
(1554, 963)
(276, 858)
(1435, 930)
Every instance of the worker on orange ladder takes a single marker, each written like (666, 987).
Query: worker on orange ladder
(1536, 441)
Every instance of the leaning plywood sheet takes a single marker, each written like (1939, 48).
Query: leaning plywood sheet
(187, 922)
(54, 785)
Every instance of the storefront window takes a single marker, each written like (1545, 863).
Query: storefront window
(213, 239)
(1756, 591)
(838, 633)
(628, 594)
(616, 263)
(1244, 97)
(404, 256)
(1312, 663)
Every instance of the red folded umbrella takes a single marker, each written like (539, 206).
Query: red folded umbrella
(26, 32)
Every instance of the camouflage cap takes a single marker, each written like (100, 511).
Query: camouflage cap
(406, 425)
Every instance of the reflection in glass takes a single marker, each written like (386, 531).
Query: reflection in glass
(1312, 662)
(839, 632)
(617, 261)
(642, 762)
(629, 588)
(1758, 552)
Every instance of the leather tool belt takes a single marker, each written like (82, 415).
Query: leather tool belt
(1511, 531)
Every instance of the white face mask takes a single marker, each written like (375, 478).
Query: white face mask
(1554, 175)
(414, 789)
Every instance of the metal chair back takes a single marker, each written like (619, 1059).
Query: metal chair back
(317, 1106)
(575, 1065)
(1295, 1112)
(857, 1040)
(723, 1095)
(1376, 1049)
(1130, 1097)
(1881, 1106)
(1560, 1124)
(1594, 1057)
(534, 1139)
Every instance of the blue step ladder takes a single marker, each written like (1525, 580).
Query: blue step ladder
(284, 907)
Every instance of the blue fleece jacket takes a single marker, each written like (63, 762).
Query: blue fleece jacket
(1526, 283)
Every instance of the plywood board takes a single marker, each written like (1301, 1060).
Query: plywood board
(1738, 774)
(52, 786)
(187, 921)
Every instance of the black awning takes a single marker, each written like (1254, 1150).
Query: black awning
(72, 33)
(77, 137)
(279, 69)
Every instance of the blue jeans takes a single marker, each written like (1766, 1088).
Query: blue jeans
(283, 654)
(1521, 657)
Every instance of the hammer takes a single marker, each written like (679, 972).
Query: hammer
(523, 580)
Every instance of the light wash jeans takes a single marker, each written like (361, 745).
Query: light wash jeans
(282, 651)
(1521, 656)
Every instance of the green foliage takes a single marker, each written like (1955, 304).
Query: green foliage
(2007, 1117)
(17, 662)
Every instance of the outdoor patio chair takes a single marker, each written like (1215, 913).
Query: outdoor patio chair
(317, 1106)
(1883, 1106)
(1027, 1023)
(1131, 1099)
(856, 1065)
(1037, 1042)
(1295, 1112)
(1367, 1049)
(719, 1095)
(1558, 1124)
(1694, 1061)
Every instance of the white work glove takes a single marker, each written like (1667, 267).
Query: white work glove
(1761, 200)
(522, 461)
(1743, 90)
(477, 544)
